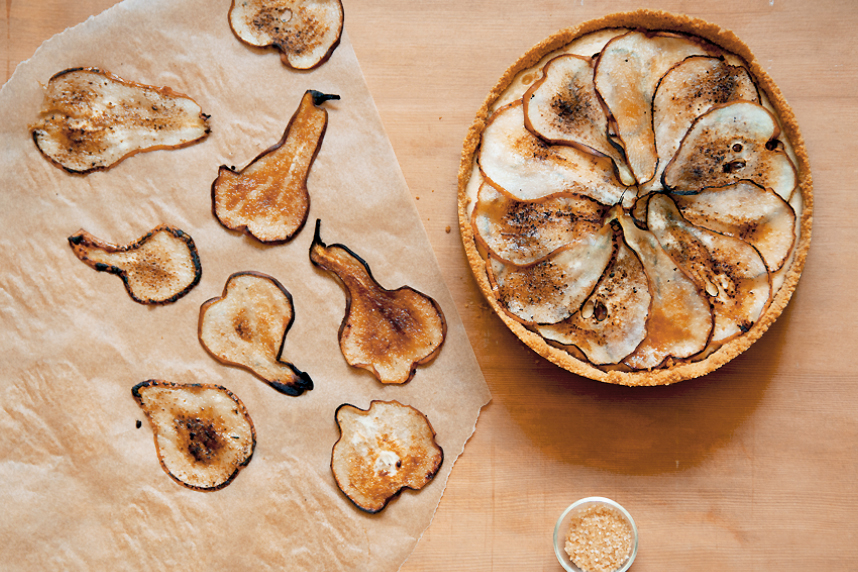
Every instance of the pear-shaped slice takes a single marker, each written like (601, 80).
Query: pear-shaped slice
(203, 433)
(158, 268)
(520, 163)
(381, 451)
(748, 212)
(524, 232)
(680, 318)
(91, 119)
(387, 332)
(729, 270)
(268, 199)
(552, 290)
(729, 143)
(563, 108)
(306, 32)
(247, 325)
(627, 74)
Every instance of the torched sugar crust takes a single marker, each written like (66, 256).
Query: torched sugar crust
(650, 20)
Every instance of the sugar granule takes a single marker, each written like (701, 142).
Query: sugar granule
(599, 539)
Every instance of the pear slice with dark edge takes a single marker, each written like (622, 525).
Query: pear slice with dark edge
(563, 108)
(525, 232)
(247, 325)
(527, 168)
(627, 74)
(387, 332)
(203, 433)
(268, 199)
(680, 319)
(748, 212)
(158, 268)
(91, 119)
(729, 270)
(729, 143)
(553, 289)
(381, 451)
(306, 32)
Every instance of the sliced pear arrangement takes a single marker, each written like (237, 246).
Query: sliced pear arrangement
(381, 451)
(91, 119)
(247, 325)
(158, 268)
(387, 332)
(203, 433)
(268, 199)
(306, 32)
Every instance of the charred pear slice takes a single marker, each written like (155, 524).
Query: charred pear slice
(268, 199)
(730, 271)
(524, 232)
(552, 290)
(729, 143)
(203, 433)
(158, 268)
(247, 325)
(91, 119)
(680, 318)
(748, 212)
(387, 332)
(627, 74)
(563, 108)
(306, 32)
(381, 451)
(526, 167)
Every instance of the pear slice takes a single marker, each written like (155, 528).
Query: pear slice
(627, 74)
(381, 451)
(729, 143)
(748, 212)
(268, 199)
(247, 325)
(729, 270)
(158, 268)
(680, 319)
(203, 433)
(552, 290)
(306, 32)
(526, 167)
(563, 108)
(525, 232)
(387, 332)
(91, 119)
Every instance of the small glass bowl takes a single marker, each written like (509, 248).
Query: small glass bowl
(562, 527)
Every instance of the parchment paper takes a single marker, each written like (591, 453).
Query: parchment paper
(81, 485)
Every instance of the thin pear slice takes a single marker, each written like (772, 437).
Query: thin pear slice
(552, 290)
(306, 32)
(563, 108)
(158, 268)
(203, 433)
(612, 322)
(748, 212)
(268, 199)
(626, 77)
(729, 270)
(381, 451)
(524, 232)
(247, 325)
(680, 319)
(387, 332)
(91, 119)
(729, 143)
(526, 167)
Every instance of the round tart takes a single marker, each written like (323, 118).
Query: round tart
(635, 198)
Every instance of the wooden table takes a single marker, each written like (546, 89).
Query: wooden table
(754, 467)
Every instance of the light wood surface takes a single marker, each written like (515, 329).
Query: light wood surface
(754, 467)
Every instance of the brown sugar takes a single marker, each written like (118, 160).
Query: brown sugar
(599, 539)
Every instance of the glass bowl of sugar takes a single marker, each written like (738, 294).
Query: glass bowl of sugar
(595, 534)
